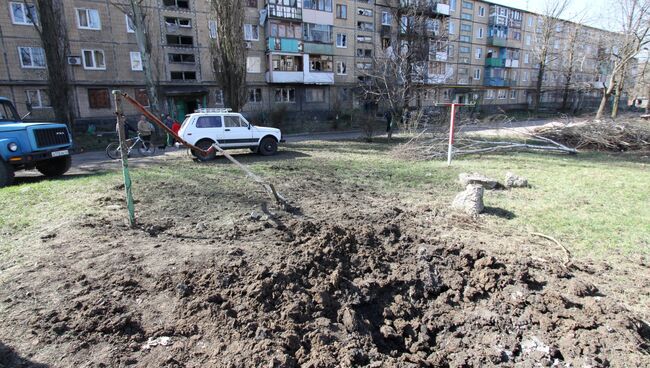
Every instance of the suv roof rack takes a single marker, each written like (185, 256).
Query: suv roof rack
(215, 109)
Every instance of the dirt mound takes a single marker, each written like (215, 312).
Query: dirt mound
(342, 296)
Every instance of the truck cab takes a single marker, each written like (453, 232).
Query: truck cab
(26, 145)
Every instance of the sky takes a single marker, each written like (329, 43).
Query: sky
(596, 12)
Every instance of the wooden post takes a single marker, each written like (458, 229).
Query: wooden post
(451, 133)
(119, 126)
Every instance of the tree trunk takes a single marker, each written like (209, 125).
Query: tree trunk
(538, 85)
(603, 105)
(144, 46)
(54, 37)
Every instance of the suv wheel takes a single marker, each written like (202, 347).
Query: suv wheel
(55, 166)
(6, 174)
(204, 144)
(268, 146)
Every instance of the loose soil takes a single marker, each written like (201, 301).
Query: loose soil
(355, 278)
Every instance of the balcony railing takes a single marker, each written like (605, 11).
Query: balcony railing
(494, 62)
(430, 8)
(500, 82)
(497, 41)
(284, 12)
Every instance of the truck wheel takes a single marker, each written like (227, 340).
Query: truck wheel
(6, 174)
(55, 166)
(204, 144)
(268, 146)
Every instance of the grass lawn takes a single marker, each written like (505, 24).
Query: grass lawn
(596, 204)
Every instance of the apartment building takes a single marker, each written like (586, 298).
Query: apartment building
(304, 56)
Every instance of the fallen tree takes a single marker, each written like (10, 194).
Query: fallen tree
(630, 135)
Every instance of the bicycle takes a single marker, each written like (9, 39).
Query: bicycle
(114, 150)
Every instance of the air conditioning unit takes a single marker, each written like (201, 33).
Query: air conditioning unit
(248, 45)
(74, 60)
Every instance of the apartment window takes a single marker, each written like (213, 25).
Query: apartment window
(320, 63)
(315, 95)
(253, 64)
(386, 18)
(479, 33)
(38, 98)
(32, 57)
(516, 35)
(251, 32)
(93, 59)
(433, 25)
(99, 98)
(218, 97)
(136, 61)
(556, 44)
(468, 5)
(463, 50)
(526, 58)
(88, 19)
(185, 41)
(452, 28)
(130, 27)
(183, 75)
(558, 27)
(364, 39)
(479, 53)
(341, 68)
(182, 4)
(142, 97)
(364, 53)
(364, 12)
(286, 63)
(465, 27)
(341, 40)
(502, 94)
(364, 66)
(285, 95)
(452, 5)
(481, 11)
(322, 5)
(178, 22)
(286, 30)
(251, 3)
(24, 14)
(365, 26)
(525, 78)
(528, 40)
(341, 11)
(463, 38)
(477, 74)
(466, 16)
(182, 58)
(450, 50)
(212, 27)
(530, 21)
(513, 94)
(317, 33)
(254, 95)
(489, 94)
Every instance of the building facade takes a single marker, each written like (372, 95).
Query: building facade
(303, 56)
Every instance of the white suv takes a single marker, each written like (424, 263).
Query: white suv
(230, 130)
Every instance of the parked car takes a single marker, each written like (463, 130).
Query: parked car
(25, 146)
(228, 129)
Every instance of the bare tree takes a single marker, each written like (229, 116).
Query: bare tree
(51, 29)
(635, 29)
(571, 61)
(545, 39)
(229, 53)
(136, 10)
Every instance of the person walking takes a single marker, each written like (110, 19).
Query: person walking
(145, 129)
(389, 125)
(169, 123)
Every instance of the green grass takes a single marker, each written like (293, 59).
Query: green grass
(596, 204)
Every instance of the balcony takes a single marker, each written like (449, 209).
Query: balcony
(438, 55)
(512, 63)
(284, 44)
(321, 78)
(385, 31)
(429, 8)
(497, 41)
(284, 77)
(499, 82)
(318, 48)
(494, 62)
(284, 12)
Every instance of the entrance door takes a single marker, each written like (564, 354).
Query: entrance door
(180, 110)
(237, 132)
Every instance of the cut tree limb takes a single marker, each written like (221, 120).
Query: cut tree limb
(567, 253)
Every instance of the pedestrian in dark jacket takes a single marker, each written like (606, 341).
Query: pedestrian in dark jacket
(389, 125)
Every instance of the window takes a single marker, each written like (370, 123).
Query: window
(285, 95)
(465, 38)
(212, 27)
(88, 19)
(93, 59)
(286, 63)
(254, 95)
(479, 53)
(364, 53)
(130, 27)
(38, 98)
(468, 5)
(502, 94)
(136, 61)
(251, 32)
(322, 5)
(364, 12)
(320, 63)
(183, 75)
(341, 11)
(142, 97)
(314, 95)
(208, 122)
(185, 41)
(525, 78)
(218, 96)
(526, 58)
(477, 74)
(516, 35)
(489, 94)
(513, 94)
(364, 66)
(341, 68)
(558, 27)
(253, 64)
(452, 5)
(99, 98)
(528, 40)
(341, 40)
(386, 18)
(452, 28)
(251, 3)
(317, 33)
(233, 121)
(183, 4)
(465, 27)
(481, 11)
(32, 57)
(364, 39)
(530, 21)
(172, 22)
(556, 44)
(286, 30)
(463, 50)
(365, 26)
(24, 14)
(466, 16)
(181, 58)
(479, 33)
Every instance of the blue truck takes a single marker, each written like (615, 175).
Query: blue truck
(25, 146)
